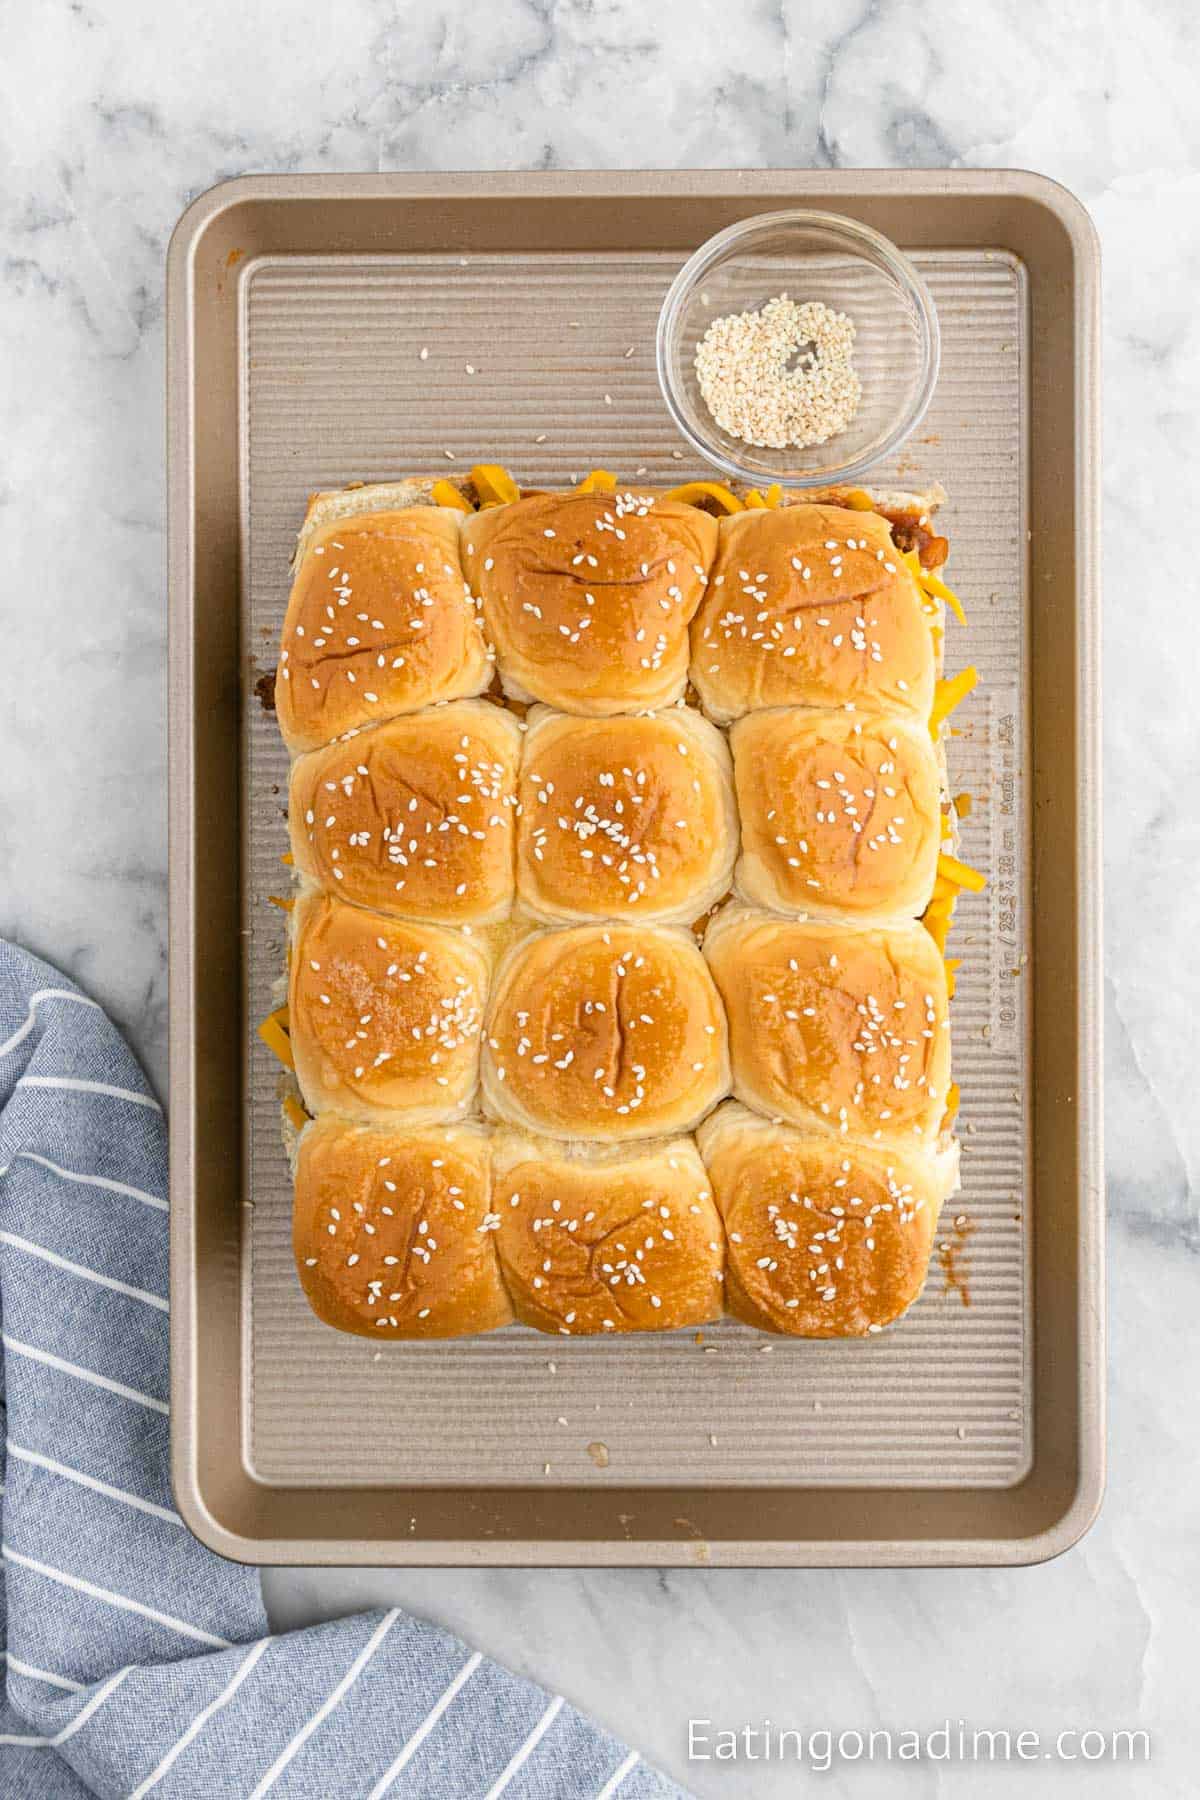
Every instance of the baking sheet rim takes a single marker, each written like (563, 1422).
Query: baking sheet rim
(1077, 1515)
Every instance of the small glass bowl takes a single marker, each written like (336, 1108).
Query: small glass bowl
(808, 256)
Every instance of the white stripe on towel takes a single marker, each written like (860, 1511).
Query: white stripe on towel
(201, 1719)
(85, 1274)
(423, 1730)
(618, 1775)
(323, 1711)
(527, 1748)
(85, 1712)
(91, 1481)
(112, 1599)
(100, 1181)
(81, 1717)
(35, 1000)
(89, 1375)
(36, 1674)
(75, 1086)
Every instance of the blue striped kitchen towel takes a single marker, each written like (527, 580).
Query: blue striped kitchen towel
(138, 1662)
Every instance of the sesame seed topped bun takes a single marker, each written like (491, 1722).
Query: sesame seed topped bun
(836, 1028)
(393, 1233)
(380, 621)
(606, 1241)
(588, 597)
(840, 813)
(512, 819)
(384, 1014)
(823, 1239)
(416, 817)
(910, 515)
(630, 816)
(811, 606)
(604, 1033)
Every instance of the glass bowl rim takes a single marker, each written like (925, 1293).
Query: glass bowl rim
(862, 238)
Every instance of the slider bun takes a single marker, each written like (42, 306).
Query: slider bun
(343, 503)
(392, 1233)
(416, 817)
(384, 1015)
(824, 1239)
(767, 636)
(835, 1028)
(909, 514)
(607, 1241)
(581, 599)
(841, 813)
(603, 1033)
(628, 816)
(380, 621)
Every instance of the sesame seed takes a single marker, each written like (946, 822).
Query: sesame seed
(780, 376)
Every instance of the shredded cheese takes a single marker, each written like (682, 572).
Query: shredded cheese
(494, 485)
(951, 693)
(931, 585)
(600, 481)
(960, 873)
(274, 1033)
(295, 1111)
(280, 902)
(446, 494)
(936, 920)
(764, 502)
(693, 491)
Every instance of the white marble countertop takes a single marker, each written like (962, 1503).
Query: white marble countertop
(114, 115)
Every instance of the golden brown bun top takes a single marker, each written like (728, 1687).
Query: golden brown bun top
(839, 811)
(824, 1239)
(415, 817)
(910, 515)
(605, 1032)
(811, 606)
(841, 1028)
(629, 1241)
(379, 622)
(588, 596)
(392, 1230)
(384, 1013)
(631, 815)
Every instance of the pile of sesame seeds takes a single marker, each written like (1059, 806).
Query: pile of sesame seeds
(781, 377)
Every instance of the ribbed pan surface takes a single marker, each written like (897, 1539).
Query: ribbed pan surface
(334, 389)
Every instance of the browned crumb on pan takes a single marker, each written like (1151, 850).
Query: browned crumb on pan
(951, 1252)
